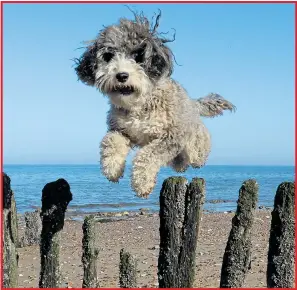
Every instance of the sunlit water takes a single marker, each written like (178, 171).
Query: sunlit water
(93, 193)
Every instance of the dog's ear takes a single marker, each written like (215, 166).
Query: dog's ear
(87, 65)
(161, 64)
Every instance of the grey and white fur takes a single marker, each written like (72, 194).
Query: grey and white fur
(131, 64)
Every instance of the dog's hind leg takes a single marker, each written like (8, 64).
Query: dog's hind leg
(114, 150)
(148, 162)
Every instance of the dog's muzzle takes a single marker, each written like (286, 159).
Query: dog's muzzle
(123, 90)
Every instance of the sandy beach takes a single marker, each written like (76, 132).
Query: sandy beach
(140, 236)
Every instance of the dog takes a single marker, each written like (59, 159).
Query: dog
(131, 64)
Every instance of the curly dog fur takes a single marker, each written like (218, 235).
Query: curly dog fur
(130, 63)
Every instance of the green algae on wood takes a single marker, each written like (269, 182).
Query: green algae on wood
(10, 242)
(128, 270)
(180, 213)
(281, 253)
(55, 199)
(90, 253)
(237, 256)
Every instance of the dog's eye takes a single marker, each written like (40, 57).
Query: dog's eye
(138, 55)
(107, 56)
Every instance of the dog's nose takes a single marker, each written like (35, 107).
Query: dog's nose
(122, 76)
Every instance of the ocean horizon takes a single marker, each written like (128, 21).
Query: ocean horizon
(93, 193)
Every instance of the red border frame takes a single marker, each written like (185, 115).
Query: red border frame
(131, 2)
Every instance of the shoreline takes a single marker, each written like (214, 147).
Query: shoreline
(109, 216)
(133, 209)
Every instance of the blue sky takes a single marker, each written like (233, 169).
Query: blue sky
(245, 52)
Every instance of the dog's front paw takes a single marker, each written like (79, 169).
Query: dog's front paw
(143, 180)
(143, 185)
(112, 168)
(114, 150)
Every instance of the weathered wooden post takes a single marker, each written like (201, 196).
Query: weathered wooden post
(180, 214)
(237, 256)
(281, 253)
(32, 229)
(10, 236)
(128, 270)
(90, 253)
(55, 199)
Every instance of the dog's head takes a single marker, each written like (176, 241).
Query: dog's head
(126, 61)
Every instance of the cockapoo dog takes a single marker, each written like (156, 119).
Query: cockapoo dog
(130, 63)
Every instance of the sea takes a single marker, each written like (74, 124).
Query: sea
(93, 193)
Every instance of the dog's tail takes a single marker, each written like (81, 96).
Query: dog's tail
(213, 105)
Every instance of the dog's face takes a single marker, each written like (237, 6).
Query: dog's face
(125, 62)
